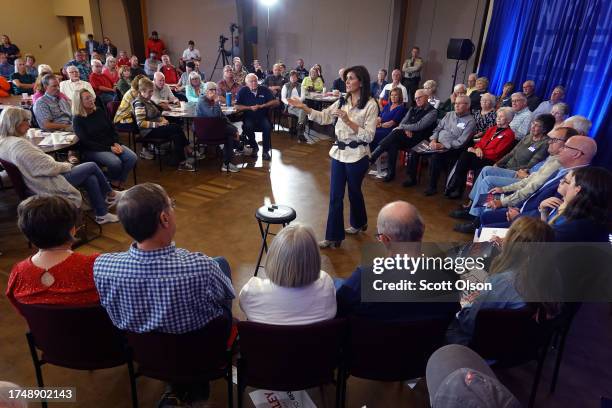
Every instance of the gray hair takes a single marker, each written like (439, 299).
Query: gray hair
(159, 74)
(519, 95)
(44, 68)
(47, 79)
(16, 61)
(71, 68)
(578, 122)
(10, 118)
(293, 258)
(96, 62)
(561, 88)
(490, 97)
(564, 107)
(401, 222)
(483, 79)
(430, 83)
(467, 98)
(194, 75)
(507, 111)
(459, 86)
(110, 58)
(251, 75)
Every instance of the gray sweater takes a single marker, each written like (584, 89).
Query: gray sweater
(41, 173)
(453, 131)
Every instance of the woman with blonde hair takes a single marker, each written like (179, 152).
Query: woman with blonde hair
(431, 87)
(99, 140)
(110, 69)
(296, 290)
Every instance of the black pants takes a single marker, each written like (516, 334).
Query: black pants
(411, 84)
(261, 123)
(467, 161)
(439, 161)
(171, 132)
(230, 143)
(394, 141)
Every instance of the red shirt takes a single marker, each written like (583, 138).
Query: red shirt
(157, 46)
(123, 61)
(170, 73)
(113, 76)
(495, 144)
(99, 79)
(73, 282)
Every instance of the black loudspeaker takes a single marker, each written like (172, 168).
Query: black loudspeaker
(459, 49)
(251, 35)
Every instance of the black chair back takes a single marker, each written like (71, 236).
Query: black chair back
(16, 179)
(81, 338)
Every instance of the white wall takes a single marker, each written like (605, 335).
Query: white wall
(114, 24)
(334, 34)
(199, 20)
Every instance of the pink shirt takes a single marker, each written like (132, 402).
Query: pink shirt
(114, 76)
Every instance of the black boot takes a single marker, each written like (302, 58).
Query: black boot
(376, 154)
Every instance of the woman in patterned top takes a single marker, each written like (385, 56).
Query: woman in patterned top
(485, 117)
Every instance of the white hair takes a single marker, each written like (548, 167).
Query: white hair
(519, 95)
(96, 62)
(44, 68)
(459, 86)
(489, 96)
(507, 111)
(578, 122)
(194, 75)
(10, 118)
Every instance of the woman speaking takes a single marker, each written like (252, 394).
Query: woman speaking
(355, 129)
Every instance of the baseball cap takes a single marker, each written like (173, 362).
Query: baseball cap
(458, 377)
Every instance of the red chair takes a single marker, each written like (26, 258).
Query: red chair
(201, 355)
(290, 358)
(16, 179)
(208, 132)
(81, 338)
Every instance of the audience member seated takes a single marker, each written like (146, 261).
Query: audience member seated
(449, 104)
(170, 72)
(11, 51)
(125, 80)
(522, 115)
(55, 274)
(152, 124)
(155, 44)
(162, 94)
(155, 286)
(239, 72)
(301, 70)
(556, 96)
(107, 48)
(339, 83)
(102, 85)
(195, 88)
(485, 116)
(319, 71)
(293, 89)
(151, 64)
(255, 100)
(39, 90)
(578, 151)
(531, 150)
(431, 87)
(580, 123)
(313, 82)
(74, 83)
(198, 69)
(495, 143)
(43, 175)
(184, 79)
(396, 77)
(80, 61)
(295, 291)
(23, 83)
(583, 211)
(471, 84)
(191, 53)
(135, 68)
(559, 111)
(451, 135)
(111, 70)
(123, 60)
(515, 185)
(390, 117)
(5, 87)
(507, 276)
(209, 107)
(417, 125)
(258, 70)
(482, 87)
(227, 84)
(377, 86)
(98, 140)
(398, 222)
(533, 101)
(52, 112)
(505, 99)
(275, 81)
(124, 114)
(6, 68)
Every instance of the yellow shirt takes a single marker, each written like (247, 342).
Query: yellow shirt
(366, 120)
(317, 84)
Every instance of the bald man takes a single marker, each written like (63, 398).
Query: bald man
(398, 222)
(578, 151)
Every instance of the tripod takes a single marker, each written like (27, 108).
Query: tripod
(222, 55)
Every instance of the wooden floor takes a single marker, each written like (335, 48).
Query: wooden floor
(215, 213)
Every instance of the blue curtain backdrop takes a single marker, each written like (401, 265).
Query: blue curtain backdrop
(567, 42)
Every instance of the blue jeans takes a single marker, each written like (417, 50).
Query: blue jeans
(343, 174)
(89, 176)
(250, 125)
(488, 178)
(118, 165)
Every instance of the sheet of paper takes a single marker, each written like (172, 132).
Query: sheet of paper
(488, 233)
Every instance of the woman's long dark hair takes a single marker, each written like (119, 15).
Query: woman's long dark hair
(593, 199)
(363, 76)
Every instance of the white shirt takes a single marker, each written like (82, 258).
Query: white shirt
(390, 86)
(294, 94)
(265, 302)
(70, 88)
(189, 55)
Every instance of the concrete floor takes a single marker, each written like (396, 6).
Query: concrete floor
(216, 216)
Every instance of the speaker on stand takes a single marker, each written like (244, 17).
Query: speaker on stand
(459, 49)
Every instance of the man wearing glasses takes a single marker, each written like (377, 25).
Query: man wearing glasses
(522, 115)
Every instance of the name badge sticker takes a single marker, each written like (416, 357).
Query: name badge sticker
(531, 148)
(461, 125)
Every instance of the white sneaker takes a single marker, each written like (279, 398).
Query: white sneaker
(105, 219)
(230, 167)
(145, 154)
(112, 201)
(353, 231)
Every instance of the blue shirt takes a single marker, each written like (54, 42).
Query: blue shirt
(52, 109)
(169, 290)
(83, 67)
(375, 88)
(246, 97)
(6, 70)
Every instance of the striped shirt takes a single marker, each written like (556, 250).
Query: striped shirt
(168, 290)
(52, 109)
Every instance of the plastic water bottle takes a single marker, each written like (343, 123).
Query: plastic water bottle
(228, 99)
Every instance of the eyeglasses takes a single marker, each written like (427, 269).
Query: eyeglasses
(552, 140)
(573, 148)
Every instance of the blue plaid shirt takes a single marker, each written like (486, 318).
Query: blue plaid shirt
(169, 290)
